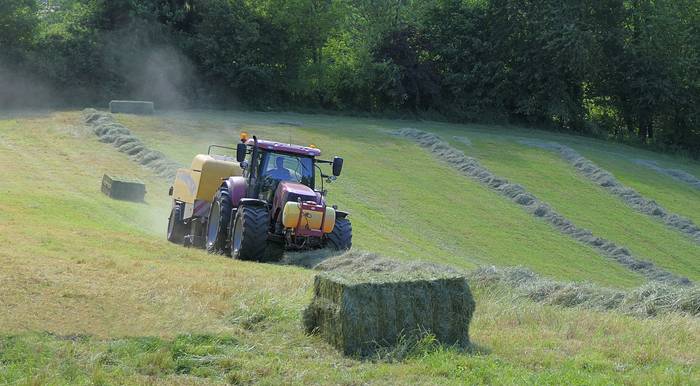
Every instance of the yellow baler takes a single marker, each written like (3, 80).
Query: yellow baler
(203, 179)
(193, 191)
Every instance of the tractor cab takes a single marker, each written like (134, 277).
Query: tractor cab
(274, 163)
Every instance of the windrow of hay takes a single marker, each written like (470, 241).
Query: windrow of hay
(471, 168)
(110, 131)
(628, 195)
(362, 310)
(649, 300)
(677, 174)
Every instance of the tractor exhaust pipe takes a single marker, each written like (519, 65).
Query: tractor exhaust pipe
(252, 183)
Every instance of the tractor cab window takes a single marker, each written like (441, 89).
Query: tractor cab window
(288, 167)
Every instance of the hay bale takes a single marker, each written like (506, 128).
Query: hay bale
(131, 107)
(361, 312)
(123, 188)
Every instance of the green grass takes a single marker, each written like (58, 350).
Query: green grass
(553, 180)
(670, 193)
(405, 203)
(525, 344)
(92, 294)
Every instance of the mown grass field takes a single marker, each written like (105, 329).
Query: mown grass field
(92, 294)
(553, 180)
(411, 205)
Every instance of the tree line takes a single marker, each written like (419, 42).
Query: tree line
(626, 69)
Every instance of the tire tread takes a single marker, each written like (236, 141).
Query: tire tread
(255, 222)
(340, 238)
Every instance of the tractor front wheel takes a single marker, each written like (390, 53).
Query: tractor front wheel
(218, 223)
(249, 233)
(340, 238)
(176, 226)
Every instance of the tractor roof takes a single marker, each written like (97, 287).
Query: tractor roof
(286, 148)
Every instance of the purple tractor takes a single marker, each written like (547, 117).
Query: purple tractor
(268, 202)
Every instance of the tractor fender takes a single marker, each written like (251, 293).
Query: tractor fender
(252, 202)
(236, 188)
(341, 214)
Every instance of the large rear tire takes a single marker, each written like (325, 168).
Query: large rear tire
(249, 233)
(340, 238)
(217, 226)
(176, 226)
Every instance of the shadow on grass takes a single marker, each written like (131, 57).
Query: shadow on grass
(308, 259)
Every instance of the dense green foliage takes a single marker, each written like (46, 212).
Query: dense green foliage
(628, 69)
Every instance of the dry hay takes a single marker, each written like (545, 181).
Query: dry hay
(359, 262)
(652, 299)
(131, 107)
(628, 195)
(110, 131)
(677, 174)
(471, 168)
(360, 311)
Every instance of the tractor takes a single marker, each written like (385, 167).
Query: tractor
(254, 207)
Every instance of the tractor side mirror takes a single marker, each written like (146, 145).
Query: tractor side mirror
(241, 149)
(337, 166)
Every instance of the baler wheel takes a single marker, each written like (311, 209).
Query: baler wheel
(218, 224)
(340, 238)
(249, 233)
(176, 227)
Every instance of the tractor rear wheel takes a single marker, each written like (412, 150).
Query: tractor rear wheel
(176, 226)
(340, 238)
(218, 224)
(249, 233)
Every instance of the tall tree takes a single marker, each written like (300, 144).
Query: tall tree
(18, 24)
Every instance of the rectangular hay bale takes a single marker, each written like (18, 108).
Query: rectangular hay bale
(131, 107)
(123, 188)
(358, 313)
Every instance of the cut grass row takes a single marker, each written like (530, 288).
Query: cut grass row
(670, 193)
(586, 204)
(616, 158)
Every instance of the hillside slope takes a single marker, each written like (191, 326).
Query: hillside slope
(587, 204)
(93, 294)
(401, 191)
